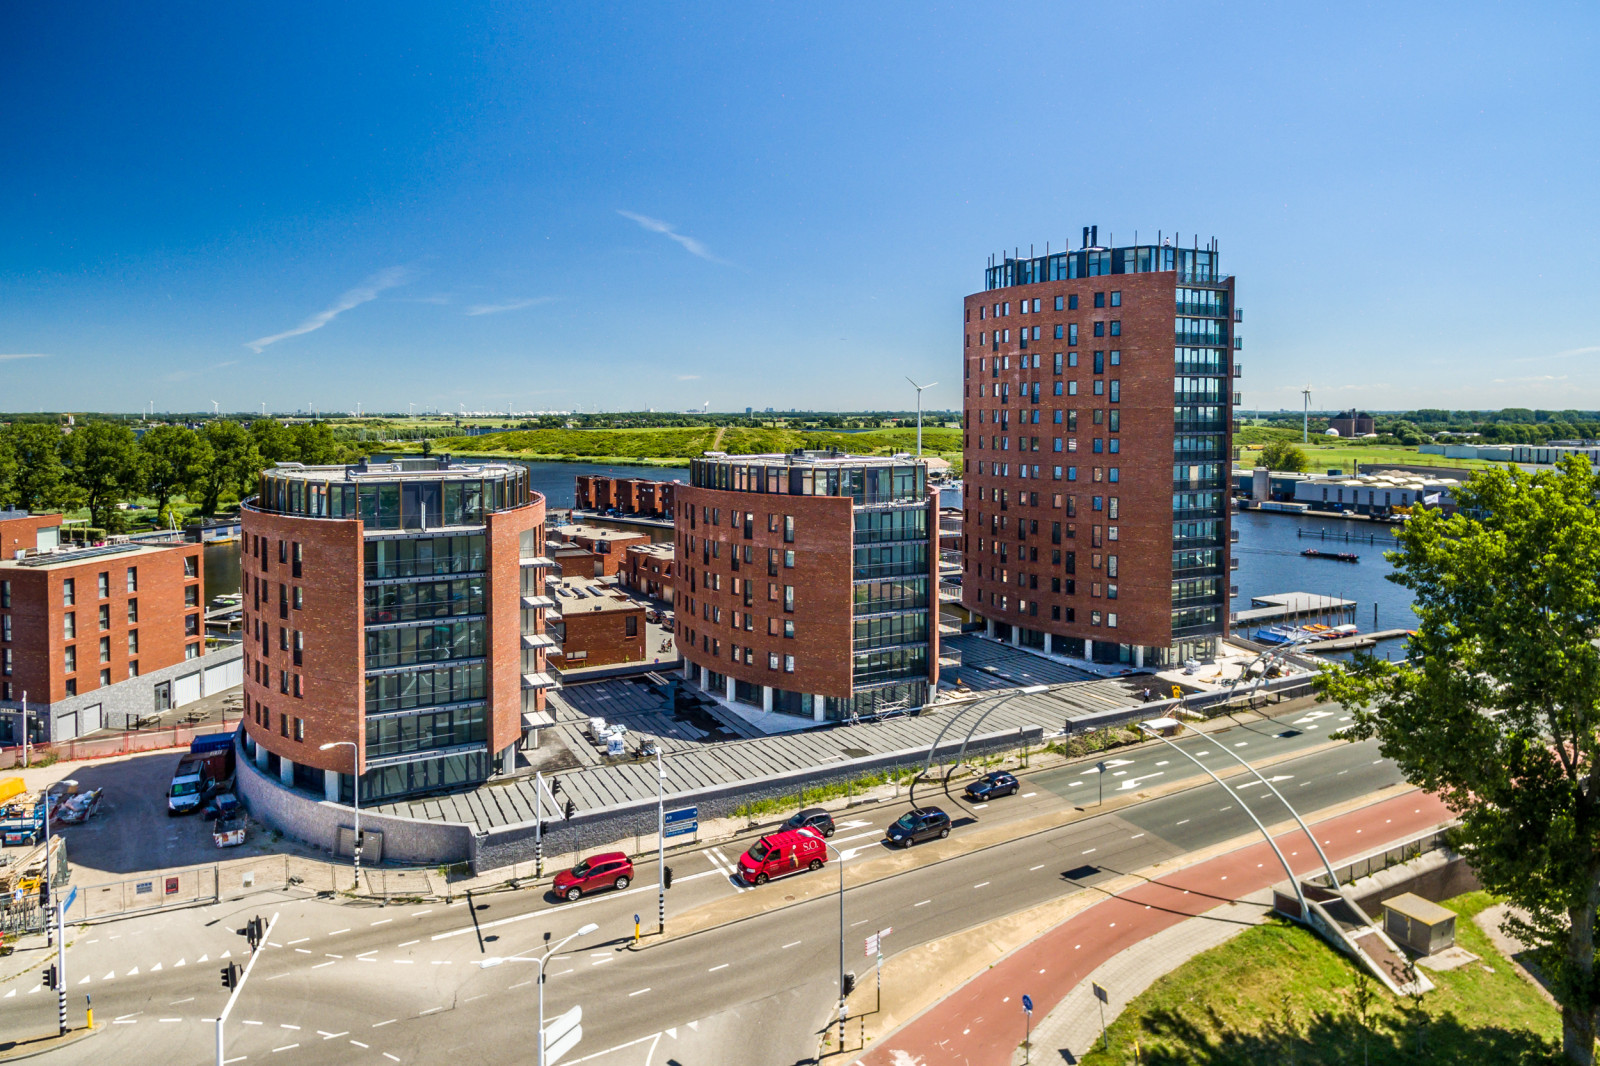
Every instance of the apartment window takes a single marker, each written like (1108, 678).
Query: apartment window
(105, 616)
(1099, 329)
(5, 661)
(1116, 421)
(191, 651)
(69, 592)
(191, 625)
(1099, 390)
(283, 601)
(299, 647)
(1116, 327)
(283, 552)
(1111, 619)
(1072, 337)
(788, 628)
(191, 596)
(1116, 298)
(788, 597)
(772, 660)
(788, 560)
(297, 559)
(283, 725)
(1111, 566)
(631, 626)
(299, 598)
(1072, 302)
(105, 649)
(1114, 474)
(300, 729)
(69, 625)
(1059, 302)
(1099, 299)
(788, 664)
(1094, 618)
(133, 642)
(133, 668)
(69, 660)
(1116, 357)
(1112, 511)
(5, 628)
(788, 529)
(5, 594)
(72, 686)
(283, 682)
(105, 678)
(103, 583)
(191, 566)
(1116, 390)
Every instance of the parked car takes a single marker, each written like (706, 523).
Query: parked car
(612, 869)
(989, 786)
(784, 852)
(812, 818)
(917, 825)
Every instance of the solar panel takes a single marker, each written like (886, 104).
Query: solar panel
(78, 555)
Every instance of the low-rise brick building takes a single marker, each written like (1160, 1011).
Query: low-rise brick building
(599, 625)
(604, 550)
(648, 570)
(638, 496)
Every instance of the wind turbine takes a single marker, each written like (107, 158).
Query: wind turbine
(214, 410)
(919, 389)
(1305, 417)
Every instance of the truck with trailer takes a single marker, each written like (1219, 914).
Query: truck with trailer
(207, 768)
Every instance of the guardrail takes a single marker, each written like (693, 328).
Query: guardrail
(1378, 861)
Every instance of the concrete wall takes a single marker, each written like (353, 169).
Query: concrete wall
(406, 841)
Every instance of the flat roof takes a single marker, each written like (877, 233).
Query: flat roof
(79, 556)
(583, 595)
(1418, 909)
(597, 533)
(664, 547)
(400, 470)
(815, 458)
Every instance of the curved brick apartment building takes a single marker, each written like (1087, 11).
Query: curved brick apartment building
(398, 606)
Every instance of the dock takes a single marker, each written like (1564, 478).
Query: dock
(1295, 607)
(1360, 640)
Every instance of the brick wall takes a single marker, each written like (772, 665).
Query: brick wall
(602, 635)
(506, 529)
(22, 534)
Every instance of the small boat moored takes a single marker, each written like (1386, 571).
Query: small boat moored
(1338, 557)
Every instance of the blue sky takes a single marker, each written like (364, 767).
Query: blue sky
(621, 206)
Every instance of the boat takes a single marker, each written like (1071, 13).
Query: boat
(1338, 557)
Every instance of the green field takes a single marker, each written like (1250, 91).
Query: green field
(1327, 454)
(675, 447)
(1277, 994)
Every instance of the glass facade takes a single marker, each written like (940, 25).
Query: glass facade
(1192, 264)
(814, 474)
(1200, 414)
(414, 494)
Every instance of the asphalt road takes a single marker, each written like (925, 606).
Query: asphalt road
(351, 983)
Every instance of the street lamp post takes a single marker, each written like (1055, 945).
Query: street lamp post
(496, 960)
(355, 843)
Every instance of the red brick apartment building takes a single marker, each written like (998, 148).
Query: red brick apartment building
(398, 607)
(648, 569)
(807, 583)
(599, 626)
(590, 551)
(652, 499)
(1097, 430)
(77, 625)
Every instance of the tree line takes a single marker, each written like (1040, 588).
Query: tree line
(101, 464)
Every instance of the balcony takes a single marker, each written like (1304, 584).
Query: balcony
(1238, 314)
(1199, 484)
(538, 601)
(1209, 368)
(1238, 371)
(1200, 310)
(1200, 425)
(538, 681)
(537, 560)
(1238, 399)
(1201, 340)
(538, 640)
(1238, 342)
(1196, 514)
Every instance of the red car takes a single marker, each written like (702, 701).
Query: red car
(612, 869)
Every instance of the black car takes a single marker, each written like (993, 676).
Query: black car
(918, 824)
(812, 818)
(992, 785)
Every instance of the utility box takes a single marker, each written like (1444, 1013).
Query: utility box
(1418, 924)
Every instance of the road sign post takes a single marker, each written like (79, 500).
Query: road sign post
(1027, 1029)
(561, 1036)
(1100, 994)
(874, 945)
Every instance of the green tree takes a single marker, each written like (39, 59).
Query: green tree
(8, 470)
(41, 479)
(1498, 709)
(235, 462)
(175, 457)
(1281, 455)
(105, 464)
(274, 441)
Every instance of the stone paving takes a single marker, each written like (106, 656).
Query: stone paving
(702, 750)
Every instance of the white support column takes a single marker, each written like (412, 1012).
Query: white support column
(705, 682)
(1088, 650)
(766, 697)
(988, 627)
(1049, 643)
(819, 708)
(1138, 656)
(728, 686)
(261, 755)
(330, 785)
(688, 670)
(286, 770)
(1016, 636)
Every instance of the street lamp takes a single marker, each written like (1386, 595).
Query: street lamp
(840, 855)
(355, 844)
(496, 960)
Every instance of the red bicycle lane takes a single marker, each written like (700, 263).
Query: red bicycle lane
(965, 1028)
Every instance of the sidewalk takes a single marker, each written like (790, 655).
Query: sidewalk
(979, 1024)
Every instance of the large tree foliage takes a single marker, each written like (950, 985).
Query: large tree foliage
(1498, 710)
(105, 463)
(1281, 455)
(235, 462)
(8, 470)
(175, 457)
(41, 478)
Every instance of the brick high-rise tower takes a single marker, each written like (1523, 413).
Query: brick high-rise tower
(1098, 405)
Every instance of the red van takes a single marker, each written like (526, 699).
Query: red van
(784, 852)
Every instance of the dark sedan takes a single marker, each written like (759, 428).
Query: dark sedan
(990, 786)
(812, 818)
(918, 824)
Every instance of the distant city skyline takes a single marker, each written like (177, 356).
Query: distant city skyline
(549, 207)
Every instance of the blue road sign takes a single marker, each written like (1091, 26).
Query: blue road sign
(1027, 1004)
(683, 821)
(67, 905)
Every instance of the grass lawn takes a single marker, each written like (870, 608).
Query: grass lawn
(678, 446)
(1344, 456)
(1277, 994)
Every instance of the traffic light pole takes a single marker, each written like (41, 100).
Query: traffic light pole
(61, 959)
(239, 986)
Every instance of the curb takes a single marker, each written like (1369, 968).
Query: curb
(44, 1045)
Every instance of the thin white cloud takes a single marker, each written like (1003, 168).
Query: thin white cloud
(666, 229)
(185, 375)
(1529, 380)
(1568, 354)
(688, 377)
(366, 292)
(513, 305)
(4, 357)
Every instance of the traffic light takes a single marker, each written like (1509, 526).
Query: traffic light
(849, 983)
(49, 977)
(230, 975)
(254, 931)
(44, 891)
(555, 786)
(666, 877)
(572, 808)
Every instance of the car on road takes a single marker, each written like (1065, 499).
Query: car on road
(812, 818)
(990, 786)
(611, 869)
(917, 825)
(784, 852)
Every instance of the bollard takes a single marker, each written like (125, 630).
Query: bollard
(88, 1006)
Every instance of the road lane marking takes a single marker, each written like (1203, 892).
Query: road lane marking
(547, 910)
(169, 1019)
(1027, 795)
(981, 884)
(286, 1025)
(419, 914)
(1033, 868)
(303, 951)
(1089, 850)
(382, 921)
(923, 903)
(302, 940)
(979, 806)
(1136, 836)
(714, 969)
(320, 965)
(1180, 823)
(519, 984)
(364, 954)
(790, 944)
(379, 1025)
(599, 962)
(330, 1036)
(1071, 783)
(408, 943)
(336, 932)
(286, 1047)
(424, 1014)
(359, 1044)
(641, 992)
(1163, 762)
(391, 1058)
(252, 1023)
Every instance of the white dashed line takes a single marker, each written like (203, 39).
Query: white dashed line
(714, 969)
(286, 1047)
(1090, 850)
(923, 903)
(408, 943)
(1031, 869)
(336, 932)
(419, 914)
(379, 1025)
(302, 940)
(641, 992)
(790, 944)
(331, 1036)
(1029, 795)
(381, 921)
(359, 1044)
(981, 884)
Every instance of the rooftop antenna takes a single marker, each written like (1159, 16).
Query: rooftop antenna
(919, 389)
(1305, 417)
